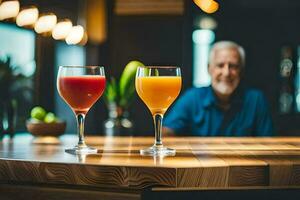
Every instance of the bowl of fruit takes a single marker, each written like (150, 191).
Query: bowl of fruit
(44, 123)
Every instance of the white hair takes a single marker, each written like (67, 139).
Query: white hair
(227, 45)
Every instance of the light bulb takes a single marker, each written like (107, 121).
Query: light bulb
(62, 29)
(45, 23)
(208, 6)
(75, 35)
(27, 16)
(9, 9)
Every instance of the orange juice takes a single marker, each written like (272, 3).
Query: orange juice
(158, 92)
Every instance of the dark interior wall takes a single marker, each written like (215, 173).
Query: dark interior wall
(154, 40)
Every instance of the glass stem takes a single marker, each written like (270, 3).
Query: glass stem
(80, 127)
(158, 129)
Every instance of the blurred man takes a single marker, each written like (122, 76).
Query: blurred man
(225, 108)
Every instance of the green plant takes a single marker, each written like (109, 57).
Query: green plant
(14, 88)
(121, 92)
(11, 80)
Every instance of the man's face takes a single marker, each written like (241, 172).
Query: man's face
(225, 71)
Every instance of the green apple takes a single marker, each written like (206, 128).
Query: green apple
(50, 118)
(38, 113)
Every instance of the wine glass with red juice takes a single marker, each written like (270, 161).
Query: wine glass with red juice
(81, 87)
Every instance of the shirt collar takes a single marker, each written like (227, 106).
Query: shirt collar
(211, 99)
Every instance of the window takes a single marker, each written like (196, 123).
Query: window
(202, 40)
(19, 45)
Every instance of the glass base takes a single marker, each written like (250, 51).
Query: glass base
(81, 150)
(158, 151)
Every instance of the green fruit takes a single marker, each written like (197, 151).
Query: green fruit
(38, 113)
(127, 81)
(128, 75)
(50, 118)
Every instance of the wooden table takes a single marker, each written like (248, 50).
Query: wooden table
(118, 171)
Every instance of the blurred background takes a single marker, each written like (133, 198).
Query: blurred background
(37, 36)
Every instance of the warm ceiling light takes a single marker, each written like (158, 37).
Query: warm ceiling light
(9, 9)
(84, 39)
(208, 6)
(27, 16)
(62, 29)
(76, 35)
(45, 23)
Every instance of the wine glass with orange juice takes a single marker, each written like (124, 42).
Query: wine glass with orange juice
(158, 87)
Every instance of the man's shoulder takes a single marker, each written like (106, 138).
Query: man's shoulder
(252, 92)
(254, 95)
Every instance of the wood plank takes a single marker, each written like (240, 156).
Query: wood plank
(281, 159)
(199, 163)
(87, 175)
(244, 170)
(39, 192)
(203, 177)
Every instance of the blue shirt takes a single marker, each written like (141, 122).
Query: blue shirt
(197, 113)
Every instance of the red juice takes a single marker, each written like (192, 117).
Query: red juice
(81, 92)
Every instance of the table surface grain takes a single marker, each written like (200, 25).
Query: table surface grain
(198, 163)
